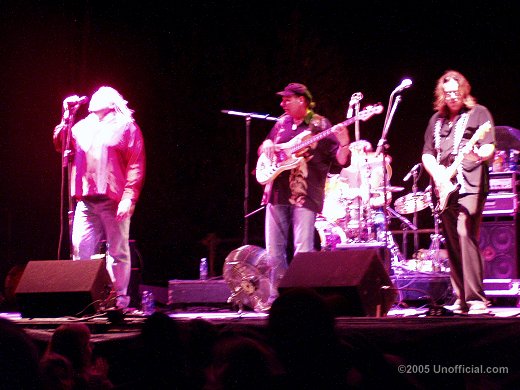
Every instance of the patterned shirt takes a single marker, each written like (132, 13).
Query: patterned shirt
(304, 185)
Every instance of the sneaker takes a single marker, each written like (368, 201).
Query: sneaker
(478, 307)
(457, 307)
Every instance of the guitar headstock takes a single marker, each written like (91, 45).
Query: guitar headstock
(369, 111)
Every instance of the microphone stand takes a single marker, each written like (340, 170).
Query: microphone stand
(381, 147)
(66, 164)
(356, 123)
(248, 116)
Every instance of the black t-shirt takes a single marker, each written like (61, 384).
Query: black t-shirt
(475, 176)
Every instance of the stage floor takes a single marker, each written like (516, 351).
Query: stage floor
(460, 344)
(219, 314)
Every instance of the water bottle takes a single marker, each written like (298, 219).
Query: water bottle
(513, 160)
(499, 161)
(147, 303)
(203, 269)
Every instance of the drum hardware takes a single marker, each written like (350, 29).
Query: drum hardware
(358, 176)
(388, 188)
(435, 257)
(406, 224)
(414, 202)
(354, 211)
(434, 252)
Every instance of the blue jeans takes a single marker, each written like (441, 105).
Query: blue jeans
(278, 221)
(95, 221)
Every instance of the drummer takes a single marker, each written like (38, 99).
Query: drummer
(365, 174)
(365, 177)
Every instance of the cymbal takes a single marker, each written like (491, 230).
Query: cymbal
(412, 203)
(388, 189)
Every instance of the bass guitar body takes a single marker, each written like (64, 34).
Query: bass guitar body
(267, 169)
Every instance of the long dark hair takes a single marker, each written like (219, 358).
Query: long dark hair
(439, 103)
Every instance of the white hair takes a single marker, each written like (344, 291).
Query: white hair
(115, 98)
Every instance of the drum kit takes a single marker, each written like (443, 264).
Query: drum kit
(357, 207)
(355, 200)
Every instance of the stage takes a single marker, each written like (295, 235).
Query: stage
(416, 329)
(434, 347)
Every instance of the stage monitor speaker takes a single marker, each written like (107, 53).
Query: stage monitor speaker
(353, 280)
(197, 292)
(499, 247)
(57, 288)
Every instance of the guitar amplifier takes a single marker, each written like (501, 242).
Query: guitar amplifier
(503, 182)
(501, 204)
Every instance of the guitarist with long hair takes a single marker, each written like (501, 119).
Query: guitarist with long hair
(295, 196)
(458, 144)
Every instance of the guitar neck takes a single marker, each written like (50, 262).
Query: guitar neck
(320, 136)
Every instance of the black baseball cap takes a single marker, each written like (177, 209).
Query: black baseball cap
(296, 89)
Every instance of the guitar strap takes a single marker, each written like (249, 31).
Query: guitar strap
(460, 127)
(437, 134)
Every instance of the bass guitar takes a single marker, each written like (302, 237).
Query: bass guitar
(285, 156)
(445, 189)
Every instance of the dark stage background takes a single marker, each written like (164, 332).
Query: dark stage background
(180, 63)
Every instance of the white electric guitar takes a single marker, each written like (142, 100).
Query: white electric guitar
(285, 156)
(445, 190)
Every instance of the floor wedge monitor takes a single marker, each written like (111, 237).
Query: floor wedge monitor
(57, 288)
(354, 281)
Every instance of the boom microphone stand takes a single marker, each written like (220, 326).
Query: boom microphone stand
(382, 145)
(248, 116)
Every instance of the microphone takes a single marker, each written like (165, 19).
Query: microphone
(414, 168)
(406, 83)
(76, 100)
(354, 99)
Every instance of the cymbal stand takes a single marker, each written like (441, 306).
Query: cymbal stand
(364, 204)
(436, 240)
(407, 225)
(415, 211)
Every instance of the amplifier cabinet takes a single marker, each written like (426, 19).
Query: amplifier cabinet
(499, 246)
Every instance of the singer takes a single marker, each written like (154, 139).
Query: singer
(458, 122)
(107, 175)
(296, 196)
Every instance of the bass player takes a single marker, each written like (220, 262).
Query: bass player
(295, 196)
